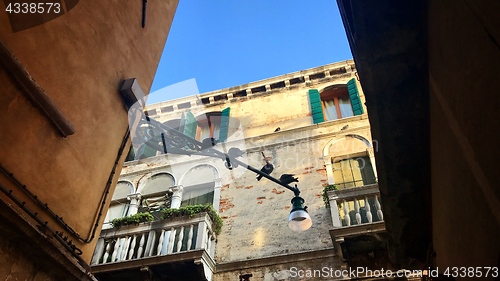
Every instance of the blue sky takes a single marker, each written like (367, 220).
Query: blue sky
(218, 44)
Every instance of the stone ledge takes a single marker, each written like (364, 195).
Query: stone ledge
(338, 234)
(275, 260)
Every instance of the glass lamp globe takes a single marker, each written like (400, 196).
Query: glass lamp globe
(299, 219)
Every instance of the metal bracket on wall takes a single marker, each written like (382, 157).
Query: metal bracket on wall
(144, 2)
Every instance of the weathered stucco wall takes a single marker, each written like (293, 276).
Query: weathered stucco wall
(79, 59)
(255, 213)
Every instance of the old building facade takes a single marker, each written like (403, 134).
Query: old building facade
(63, 124)
(312, 124)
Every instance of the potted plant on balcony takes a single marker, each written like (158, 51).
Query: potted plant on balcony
(327, 188)
(132, 219)
(191, 211)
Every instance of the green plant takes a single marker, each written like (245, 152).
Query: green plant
(132, 219)
(191, 211)
(325, 195)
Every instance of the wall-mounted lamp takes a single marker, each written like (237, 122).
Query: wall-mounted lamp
(168, 140)
(299, 219)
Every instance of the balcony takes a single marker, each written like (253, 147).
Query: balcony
(171, 249)
(358, 223)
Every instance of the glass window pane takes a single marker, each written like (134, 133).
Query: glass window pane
(346, 171)
(204, 132)
(330, 110)
(198, 194)
(116, 211)
(337, 175)
(356, 172)
(345, 107)
(366, 170)
(353, 172)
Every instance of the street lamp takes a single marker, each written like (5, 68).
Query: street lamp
(168, 140)
(299, 219)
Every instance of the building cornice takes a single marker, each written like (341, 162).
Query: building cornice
(275, 260)
(290, 81)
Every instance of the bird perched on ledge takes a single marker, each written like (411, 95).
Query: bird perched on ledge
(288, 178)
(268, 167)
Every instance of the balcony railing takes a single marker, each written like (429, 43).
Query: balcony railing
(356, 211)
(159, 238)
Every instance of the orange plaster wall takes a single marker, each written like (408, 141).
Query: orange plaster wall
(80, 60)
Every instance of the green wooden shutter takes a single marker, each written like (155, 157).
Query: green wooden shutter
(131, 154)
(190, 125)
(146, 151)
(357, 107)
(316, 106)
(182, 123)
(224, 124)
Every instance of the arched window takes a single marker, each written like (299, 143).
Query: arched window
(199, 186)
(348, 162)
(119, 205)
(207, 125)
(174, 123)
(335, 102)
(156, 194)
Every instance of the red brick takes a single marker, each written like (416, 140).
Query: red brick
(275, 191)
(225, 204)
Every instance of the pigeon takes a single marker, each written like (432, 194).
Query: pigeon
(268, 168)
(288, 178)
(277, 129)
(345, 127)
